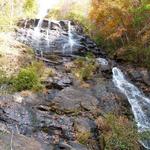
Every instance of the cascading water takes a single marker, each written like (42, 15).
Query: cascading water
(68, 47)
(139, 103)
(47, 34)
(43, 10)
(70, 36)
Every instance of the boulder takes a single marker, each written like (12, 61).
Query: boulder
(109, 97)
(72, 99)
(83, 125)
(70, 146)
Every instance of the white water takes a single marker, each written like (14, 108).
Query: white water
(139, 103)
(44, 7)
(68, 47)
(102, 61)
(47, 34)
(70, 36)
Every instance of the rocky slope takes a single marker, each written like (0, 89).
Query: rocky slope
(64, 116)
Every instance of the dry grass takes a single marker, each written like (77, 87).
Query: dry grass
(83, 137)
(119, 132)
(102, 124)
(14, 54)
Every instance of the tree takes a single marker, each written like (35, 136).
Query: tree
(30, 7)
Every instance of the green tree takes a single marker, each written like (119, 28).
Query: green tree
(30, 7)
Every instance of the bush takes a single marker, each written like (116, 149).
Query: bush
(137, 55)
(84, 68)
(41, 70)
(119, 133)
(38, 67)
(27, 79)
(83, 137)
(3, 78)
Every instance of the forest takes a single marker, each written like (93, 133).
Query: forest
(75, 75)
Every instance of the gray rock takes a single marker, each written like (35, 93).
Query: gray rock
(84, 125)
(18, 142)
(34, 120)
(70, 146)
(73, 99)
(57, 39)
(140, 74)
(146, 77)
(110, 99)
(59, 81)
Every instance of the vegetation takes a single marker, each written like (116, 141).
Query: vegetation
(12, 10)
(84, 68)
(26, 79)
(119, 133)
(3, 77)
(30, 7)
(75, 11)
(83, 137)
(123, 25)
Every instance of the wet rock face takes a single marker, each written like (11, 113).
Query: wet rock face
(55, 37)
(59, 82)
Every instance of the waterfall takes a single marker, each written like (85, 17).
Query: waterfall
(47, 33)
(68, 47)
(43, 10)
(71, 41)
(139, 103)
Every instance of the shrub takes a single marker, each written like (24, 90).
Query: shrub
(145, 136)
(83, 137)
(38, 67)
(26, 79)
(119, 133)
(84, 68)
(30, 7)
(121, 24)
(3, 77)
(137, 55)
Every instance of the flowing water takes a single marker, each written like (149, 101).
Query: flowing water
(67, 43)
(70, 36)
(68, 47)
(139, 103)
(102, 61)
